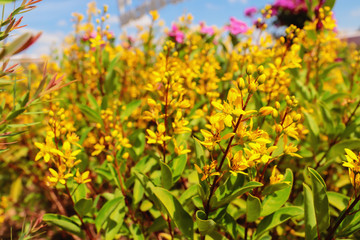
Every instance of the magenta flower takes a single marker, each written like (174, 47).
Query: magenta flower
(292, 5)
(177, 34)
(236, 26)
(206, 30)
(249, 12)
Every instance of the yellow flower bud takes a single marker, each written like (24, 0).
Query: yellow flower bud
(297, 117)
(278, 128)
(249, 69)
(241, 83)
(262, 78)
(260, 69)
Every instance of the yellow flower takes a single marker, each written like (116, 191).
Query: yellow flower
(179, 150)
(159, 137)
(353, 161)
(154, 15)
(59, 176)
(276, 176)
(207, 170)
(82, 178)
(238, 163)
(47, 150)
(99, 147)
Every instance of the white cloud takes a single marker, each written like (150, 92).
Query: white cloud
(236, 1)
(113, 19)
(62, 23)
(211, 6)
(355, 12)
(145, 20)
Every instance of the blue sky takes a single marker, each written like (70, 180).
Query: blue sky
(53, 17)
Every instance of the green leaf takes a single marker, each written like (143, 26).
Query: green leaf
(6, 1)
(275, 187)
(313, 125)
(276, 200)
(215, 203)
(309, 214)
(22, 125)
(200, 155)
(178, 167)
(321, 202)
(129, 109)
(166, 175)
(206, 226)
(350, 224)
(146, 205)
(177, 213)
(329, 3)
(276, 218)
(106, 211)
(138, 192)
(338, 149)
(115, 221)
(14, 114)
(253, 208)
(91, 114)
(338, 200)
(83, 206)
(188, 194)
(63, 222)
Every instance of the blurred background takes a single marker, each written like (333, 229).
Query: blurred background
(53, 17)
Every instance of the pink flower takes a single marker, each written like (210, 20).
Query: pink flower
(292, 5)
(249, 12)
(206, 30)
(236, 26)
(177, 34)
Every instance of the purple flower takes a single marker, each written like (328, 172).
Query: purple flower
(177, 34)
(236, 26)
(206, 30)
(249, 12)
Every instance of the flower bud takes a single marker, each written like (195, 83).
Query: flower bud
(278, 128)
(262, 78)
(241, 83)
(277, 105)
(260, 69)
(297, 117)
(275, 113)
(249, 69)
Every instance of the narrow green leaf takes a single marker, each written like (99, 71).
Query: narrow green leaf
(276, 218)
(90, 113)
(321, 202)
(177, 213)
(309, 214)
(63, 222)
(14, 114)
(206, 226)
